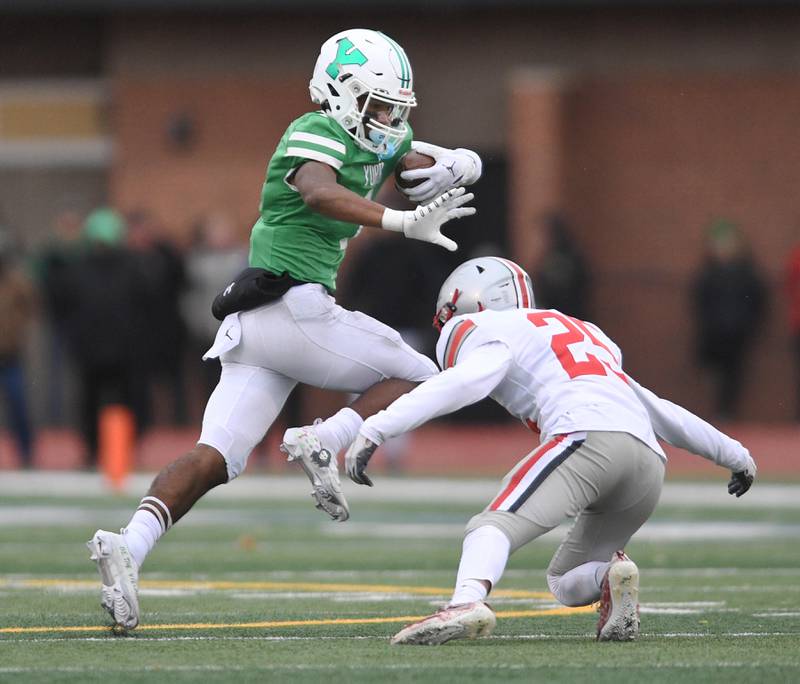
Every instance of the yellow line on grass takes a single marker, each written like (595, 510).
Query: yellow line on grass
(287, 623)
(199, 585)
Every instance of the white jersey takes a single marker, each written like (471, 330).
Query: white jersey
(555, 373)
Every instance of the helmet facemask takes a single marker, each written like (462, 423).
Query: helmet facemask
(380, 138)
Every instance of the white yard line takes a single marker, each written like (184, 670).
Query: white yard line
(652, 531)
(448, 665)
(443, 490)
(45, 515)
(143, 640)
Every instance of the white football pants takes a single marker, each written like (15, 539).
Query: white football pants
(302, 337)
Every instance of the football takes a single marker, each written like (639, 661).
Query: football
(411, 160)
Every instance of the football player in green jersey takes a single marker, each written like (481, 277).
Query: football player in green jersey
(281, 326)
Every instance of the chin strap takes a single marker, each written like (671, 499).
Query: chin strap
(446, 312)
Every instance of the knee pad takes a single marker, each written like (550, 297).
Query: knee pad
(235, 449)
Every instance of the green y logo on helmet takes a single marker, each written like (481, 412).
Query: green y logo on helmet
(346, 53)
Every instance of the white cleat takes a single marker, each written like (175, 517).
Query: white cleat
(119, 575)
(465, 621)
(619, 601)
(303, 445)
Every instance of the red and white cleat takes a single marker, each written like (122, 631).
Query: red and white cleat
(465, 621)
(619, 601)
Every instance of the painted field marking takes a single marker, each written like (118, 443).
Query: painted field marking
(204, 585)
(286, 623)
(31, 583)
(653, 530)
(377, 637)
(389, 667)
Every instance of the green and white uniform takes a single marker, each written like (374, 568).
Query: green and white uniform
(304, 336)
(288, 236)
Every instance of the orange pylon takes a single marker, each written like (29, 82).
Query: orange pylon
(116, 436)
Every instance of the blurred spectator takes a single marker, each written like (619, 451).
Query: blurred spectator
(396, 283)
(16, 311)
(792, 289)
(105, 296)
(561, 278)
(414, 271)
(51, 264)
(162, 267)
(729, 297)
(215, 256)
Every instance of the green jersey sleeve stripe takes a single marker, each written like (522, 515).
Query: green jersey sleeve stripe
(301, 136)
(316, 155)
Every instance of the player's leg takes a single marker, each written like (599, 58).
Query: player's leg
(531, 501)
(330, 347)
(338, 431)
(238, 414)
(354, 353)
(590, 565)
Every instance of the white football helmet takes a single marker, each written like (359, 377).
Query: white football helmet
(483, 283)
(356, 67)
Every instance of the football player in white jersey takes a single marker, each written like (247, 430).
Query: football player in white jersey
(599, 460)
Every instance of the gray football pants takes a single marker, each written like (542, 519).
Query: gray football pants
(609, 482)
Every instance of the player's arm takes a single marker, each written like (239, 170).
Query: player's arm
(453, 168)
(681, 428)
(316, 182)
(472, 379)
(317, 185)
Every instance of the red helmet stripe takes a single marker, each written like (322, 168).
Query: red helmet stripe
(523, 293)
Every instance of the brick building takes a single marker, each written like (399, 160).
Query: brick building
(641, 120)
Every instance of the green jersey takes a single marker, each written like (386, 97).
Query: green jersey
(288, 236)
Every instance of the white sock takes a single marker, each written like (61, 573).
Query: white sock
(580, 586)
(469, 591)
(339, 431)
(484, 555)
(145, 528)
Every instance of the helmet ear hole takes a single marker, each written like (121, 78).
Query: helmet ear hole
(333, 90)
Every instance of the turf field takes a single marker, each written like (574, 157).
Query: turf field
(256, 585)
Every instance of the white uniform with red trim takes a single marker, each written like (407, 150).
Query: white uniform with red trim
(557, 374)
(598, 462)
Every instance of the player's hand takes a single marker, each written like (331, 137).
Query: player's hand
(425, 222)
(356, 459)
(741, 481)
(453, 168)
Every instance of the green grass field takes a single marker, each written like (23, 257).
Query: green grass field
(247, 589)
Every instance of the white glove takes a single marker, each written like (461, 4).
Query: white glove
(356, 459)
(424, 222)
(453, 168)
